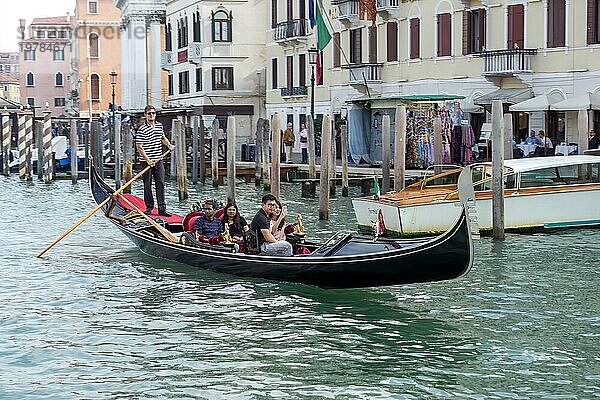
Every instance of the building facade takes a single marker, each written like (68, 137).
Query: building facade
(9, 64)
(215, 58)
(97, 52)
(45, 63)
(142, 30)
(509, 50)
(10, 88)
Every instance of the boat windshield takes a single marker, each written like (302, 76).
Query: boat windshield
(576, 174)
(483, 175)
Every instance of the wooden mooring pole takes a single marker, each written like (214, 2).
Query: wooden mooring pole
(385, 154)
(231, 147)
(582, 126)
(497, 170)
(118, 153)
(127, 154)
(215, 152)
(202, 155)
(344, 139)
(258, 154)
(324, 175)
(312, 162)
(508, 136)
(400, 148)
(266, 142)
(276, 157)
(195, 151)
(179, 140)
(21, 146)
(332, 162)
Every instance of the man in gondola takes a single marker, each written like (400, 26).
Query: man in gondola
(207, 226)
(149, 140)
(261, 224)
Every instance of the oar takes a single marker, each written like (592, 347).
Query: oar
(165, 232)
(99, 206)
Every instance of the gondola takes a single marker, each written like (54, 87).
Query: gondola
(346, 260)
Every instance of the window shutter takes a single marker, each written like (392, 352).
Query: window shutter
(372, 44)
(414, 38)
(482, 29)
(290, 71)
(444, 35)
(274, 73)
(336, 50)
(551, 24)
(392, 41)
(511, 27)
(301, 69)
(591, 18)
(466, 45)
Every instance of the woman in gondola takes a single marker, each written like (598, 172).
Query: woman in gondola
(235, 222)
(278, 227)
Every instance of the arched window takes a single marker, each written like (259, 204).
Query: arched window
(221, 24)
(58, 79)
(95, 86)
(30, 79)
(93, 42)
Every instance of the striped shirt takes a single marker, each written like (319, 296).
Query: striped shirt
(150, 138)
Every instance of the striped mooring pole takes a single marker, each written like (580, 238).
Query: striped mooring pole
(21, 146)
(29, 144)
(6, 143)
(47, 143)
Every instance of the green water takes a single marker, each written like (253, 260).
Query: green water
(96, 318)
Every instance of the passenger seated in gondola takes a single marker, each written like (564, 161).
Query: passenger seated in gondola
(207, 226)
(267, 243)
(236, 223)
(278, 227)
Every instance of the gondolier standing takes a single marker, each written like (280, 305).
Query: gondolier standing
(149, 140)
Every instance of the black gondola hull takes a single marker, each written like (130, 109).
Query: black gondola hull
(443, 257)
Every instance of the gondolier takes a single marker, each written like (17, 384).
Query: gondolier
(149, 140)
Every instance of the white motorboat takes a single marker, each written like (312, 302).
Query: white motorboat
(540, 192)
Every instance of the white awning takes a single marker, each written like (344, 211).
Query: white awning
(537, 103)
(586, 101)
(507, 96)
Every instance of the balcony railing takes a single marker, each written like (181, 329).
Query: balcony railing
(290, 29)
(506, 62)
(349, 10)
(195, 52)
(391, 7)
(359, 73)
(166, 60)
(294, 91)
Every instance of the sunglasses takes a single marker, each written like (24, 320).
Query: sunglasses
(151, 113)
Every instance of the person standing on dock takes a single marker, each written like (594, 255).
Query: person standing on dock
(149, 140)
(288, 140)
(304, 143)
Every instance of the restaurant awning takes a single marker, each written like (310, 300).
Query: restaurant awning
(6, 104)
(509, 96)
(588, 101)
(537, 103)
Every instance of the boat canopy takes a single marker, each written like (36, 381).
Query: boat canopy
(528, 164)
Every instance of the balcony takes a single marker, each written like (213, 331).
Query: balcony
(166, 60)
(195, 53)
(290, 31)
(507, 62)
(349, 11)
(297, 91)
(389, 8)
(364, 73)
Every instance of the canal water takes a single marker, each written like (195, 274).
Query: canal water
(96, 318)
